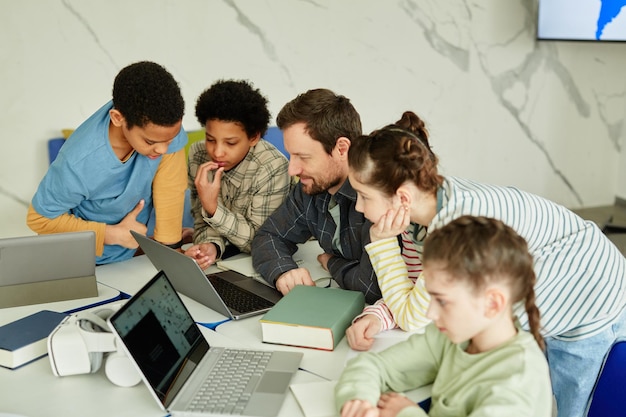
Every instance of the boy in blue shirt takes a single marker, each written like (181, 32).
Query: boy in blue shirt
(118, 165)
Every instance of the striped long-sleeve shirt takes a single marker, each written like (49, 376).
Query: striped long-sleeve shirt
(386, 263)
(581, 275)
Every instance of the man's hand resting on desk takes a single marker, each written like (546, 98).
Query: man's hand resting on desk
(361, 333)
(204, 254)
(288, 280)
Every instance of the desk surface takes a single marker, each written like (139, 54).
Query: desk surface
(129, 276)
(33, 390)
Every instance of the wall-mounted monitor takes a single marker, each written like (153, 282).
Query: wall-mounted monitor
(582, 20)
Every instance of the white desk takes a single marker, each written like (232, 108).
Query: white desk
(129, 276)
(33, 391)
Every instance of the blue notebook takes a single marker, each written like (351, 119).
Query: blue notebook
(25, 340)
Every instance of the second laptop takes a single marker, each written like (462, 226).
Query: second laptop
(228, 292)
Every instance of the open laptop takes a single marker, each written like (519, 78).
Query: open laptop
(46, 268)
(184, 373)
(228, 292)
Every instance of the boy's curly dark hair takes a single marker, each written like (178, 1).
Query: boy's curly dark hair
(234, 101)
(145, 92)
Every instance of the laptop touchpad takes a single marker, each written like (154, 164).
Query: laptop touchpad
(274, 382)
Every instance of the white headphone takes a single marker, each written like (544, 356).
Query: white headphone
(79, 344)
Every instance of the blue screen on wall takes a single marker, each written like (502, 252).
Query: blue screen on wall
(583, 20)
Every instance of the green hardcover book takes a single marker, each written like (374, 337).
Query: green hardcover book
(311, 317)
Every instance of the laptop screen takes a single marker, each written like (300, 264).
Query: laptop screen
(161, 337)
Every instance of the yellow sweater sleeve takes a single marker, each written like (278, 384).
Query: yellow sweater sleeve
(168, 193)
(408, 302)
(65, 223)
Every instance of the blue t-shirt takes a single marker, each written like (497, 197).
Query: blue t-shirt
(89, 181)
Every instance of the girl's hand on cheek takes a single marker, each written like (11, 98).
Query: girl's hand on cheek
(390, 224)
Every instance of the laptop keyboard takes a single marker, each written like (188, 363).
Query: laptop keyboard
(237, 298)
(230, 384)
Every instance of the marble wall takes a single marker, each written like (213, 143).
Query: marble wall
(501, 107)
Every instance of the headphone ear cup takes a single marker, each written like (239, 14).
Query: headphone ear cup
(120, 370)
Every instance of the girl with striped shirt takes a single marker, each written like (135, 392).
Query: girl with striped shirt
(581, 275)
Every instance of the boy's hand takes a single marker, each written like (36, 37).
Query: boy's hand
(390, 224)
(208, 192)
(119, 234)
(361, 333)
(204, 254)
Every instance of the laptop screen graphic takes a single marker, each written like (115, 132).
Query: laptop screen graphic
(162, 337)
